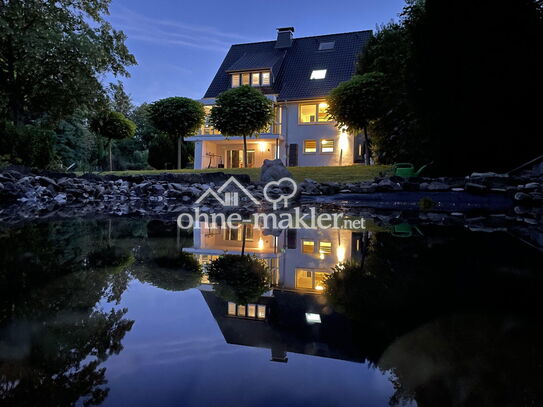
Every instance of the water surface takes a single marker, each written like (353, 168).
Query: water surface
(102, 312)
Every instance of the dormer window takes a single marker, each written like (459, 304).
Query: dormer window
(245, 78)
(255, 79)
(318, 74)
(325, 46)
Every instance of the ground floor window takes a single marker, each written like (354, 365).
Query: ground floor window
(310, 280)
(310, 146)
(327, 146)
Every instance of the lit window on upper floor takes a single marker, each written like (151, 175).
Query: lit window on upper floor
(318, 74)
(245, 78)
(324, 46)
(265, 79)
(255, 79)
(235, 80)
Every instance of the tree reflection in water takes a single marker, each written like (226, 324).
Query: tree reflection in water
(239, 278)
(55, 332)
(454, 317)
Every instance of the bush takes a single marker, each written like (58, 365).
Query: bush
(240, 279)
(28, 145)
(163, 152)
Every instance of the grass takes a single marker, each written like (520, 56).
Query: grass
(320, 174)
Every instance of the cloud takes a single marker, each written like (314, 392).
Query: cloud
(166, 32)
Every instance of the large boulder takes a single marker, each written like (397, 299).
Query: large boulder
(273, 170)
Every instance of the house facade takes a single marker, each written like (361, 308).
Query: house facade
(290, 317)
(297, 74)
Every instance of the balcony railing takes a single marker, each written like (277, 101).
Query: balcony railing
(207, 130)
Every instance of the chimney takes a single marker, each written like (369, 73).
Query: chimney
(284, 37)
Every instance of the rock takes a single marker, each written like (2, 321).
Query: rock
(438, 186)
(273, 170)
(388, 185)
(60, 199)
(309, 187)
(523, 197)
(532, 186)
(473, 187)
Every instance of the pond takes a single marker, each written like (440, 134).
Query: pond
(123, 311)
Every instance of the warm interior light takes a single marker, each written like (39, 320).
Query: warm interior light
(260, 243)
(262, 146)
(323, 105)
(340, 253)
(319, 288)
(321, 255)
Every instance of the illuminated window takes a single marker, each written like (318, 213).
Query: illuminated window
(308, 113)
(308, 246)
(319, 280)
(261, 312)
(265, 79)
(325, 248)
(318, 74)
(235, 80)
(310, 146)
(304, 279)
(312, 318)
(251, 311)
(310, 280)
(314, 113)
(327, 146)
(323, 46)
(231, 308)
(255, 79)
(245, 78)
(241, 310)
(323, 113)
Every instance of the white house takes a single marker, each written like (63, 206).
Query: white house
(297, 74)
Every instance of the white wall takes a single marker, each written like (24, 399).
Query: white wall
(296, 133)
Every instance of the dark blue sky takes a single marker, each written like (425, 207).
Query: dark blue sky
(179, 45)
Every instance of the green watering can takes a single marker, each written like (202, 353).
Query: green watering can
(404, 230)
(407, 170)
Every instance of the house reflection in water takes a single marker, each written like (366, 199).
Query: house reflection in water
(292, 316)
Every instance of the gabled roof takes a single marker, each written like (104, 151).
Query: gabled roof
(291, 67)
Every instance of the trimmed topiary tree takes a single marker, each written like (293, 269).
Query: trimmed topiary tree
(243, 111)
(241, 279)
(113, 126)
(356, 102)
(178, 117)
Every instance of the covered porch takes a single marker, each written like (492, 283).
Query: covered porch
(224, 153)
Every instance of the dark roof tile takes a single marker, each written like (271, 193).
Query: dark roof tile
(291, 67)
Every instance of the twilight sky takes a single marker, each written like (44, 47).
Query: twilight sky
(179, 45)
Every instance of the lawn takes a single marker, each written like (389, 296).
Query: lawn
(320, 174)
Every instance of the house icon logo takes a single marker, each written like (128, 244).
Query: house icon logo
(231, 199)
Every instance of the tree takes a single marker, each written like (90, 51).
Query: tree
(243, 111)
(241, 279)
(178, 117)
(120, 101)
(113, 126)
(355, 103)
(52, 54)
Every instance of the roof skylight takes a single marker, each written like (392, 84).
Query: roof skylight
(318, 74)
(323, 46)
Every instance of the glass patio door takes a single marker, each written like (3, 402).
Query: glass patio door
(234, 158)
